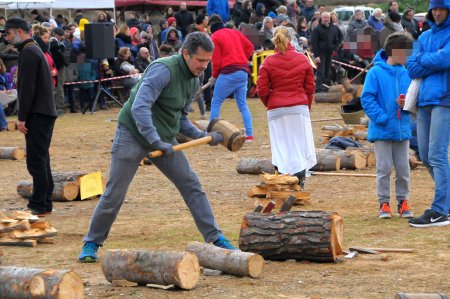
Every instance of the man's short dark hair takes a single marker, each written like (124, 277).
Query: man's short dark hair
(200, 18)
(398, 40)
(2, 18)
(390, 3)
(321, 5)
(215, 19)
(197, 40)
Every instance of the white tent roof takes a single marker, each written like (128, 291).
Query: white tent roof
(57, 4)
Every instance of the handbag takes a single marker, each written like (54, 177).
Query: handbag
(411, 96)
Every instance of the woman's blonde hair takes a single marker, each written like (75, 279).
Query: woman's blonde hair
(123, 52)
(281, 39)
(123, 29)
(39, 30)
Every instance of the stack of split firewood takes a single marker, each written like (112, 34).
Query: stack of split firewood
(275, 189)
(24, 229)
(355, 132)
(67, 186)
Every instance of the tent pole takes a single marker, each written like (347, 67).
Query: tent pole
(6, 13)
(70, 15)
(114, 14)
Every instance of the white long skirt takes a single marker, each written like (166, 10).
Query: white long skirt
(291, 139)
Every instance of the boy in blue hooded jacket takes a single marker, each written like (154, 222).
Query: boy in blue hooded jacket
(389, 126)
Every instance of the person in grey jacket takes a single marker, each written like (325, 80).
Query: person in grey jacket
(357, 23)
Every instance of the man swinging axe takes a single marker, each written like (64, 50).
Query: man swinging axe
(151, 118)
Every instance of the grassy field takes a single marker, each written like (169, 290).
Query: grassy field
(154, 216)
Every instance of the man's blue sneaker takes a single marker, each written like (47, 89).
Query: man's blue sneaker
(223, 242)
(89, 253)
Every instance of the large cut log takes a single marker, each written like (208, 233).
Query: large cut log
(254, 166)
(368, 152)
(352, 159)
(335, 88)
(18, 283)
(18, 225)
(413, 161)
(12, 153)
(328, 97)
(68, 176)
(1, 256)
(301, 235)
(233, 262)
(327, 160)
(331, 131)
(155, 267)
(63, 190)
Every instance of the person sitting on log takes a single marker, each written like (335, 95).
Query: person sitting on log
(291, 135)
(154, 114)
(389, 125)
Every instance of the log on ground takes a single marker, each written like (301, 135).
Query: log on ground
(12, 153)
(7, 241)
(17, 283)
(368, 152)
(301, 235)
(233, 262)
(63, 190)
(328, 97)
(254, 166)
(327, 160)
(352, 160)
(152, 267)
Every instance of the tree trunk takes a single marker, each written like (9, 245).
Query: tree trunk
(17, 283)
(352, 159)
(228, 261)
(328, 97)
(368, 152)
(254, 166)
(327, 160)
(301, 235)
(12, 153)
(18, 225)
(63, 191)
(155, 267)
(335, 88)
(68, 176)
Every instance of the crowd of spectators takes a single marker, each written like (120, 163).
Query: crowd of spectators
(138, 41)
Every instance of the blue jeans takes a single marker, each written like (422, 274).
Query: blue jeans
(3, 122)
(433, 136)
(232, 83)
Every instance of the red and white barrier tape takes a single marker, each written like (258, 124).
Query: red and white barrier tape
(349, 65)
(105, 79)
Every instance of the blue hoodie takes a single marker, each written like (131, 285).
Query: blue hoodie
(383, 84)
(220, 7)
(431, 60)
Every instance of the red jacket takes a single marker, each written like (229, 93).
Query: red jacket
(230, 48)
(52, 67)
(286, 80)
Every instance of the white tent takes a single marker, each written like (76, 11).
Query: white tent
(57, 4)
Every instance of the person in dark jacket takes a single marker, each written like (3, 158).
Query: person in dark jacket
(60, 55)
(37, 112)
(410, 24)
(325, 39)
(357, 23)
(142, 59)
(184, 18)
(259, 14)
(309, 10)
(243, 14)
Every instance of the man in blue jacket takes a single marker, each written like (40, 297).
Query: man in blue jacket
(219, 7)
(430, 62)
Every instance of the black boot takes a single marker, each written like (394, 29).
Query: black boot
(301, 178)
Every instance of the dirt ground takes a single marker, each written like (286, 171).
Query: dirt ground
(155, 217)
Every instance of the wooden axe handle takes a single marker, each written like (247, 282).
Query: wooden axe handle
(205, 86)
(182, 146)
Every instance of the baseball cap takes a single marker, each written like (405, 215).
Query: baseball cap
(16, 23)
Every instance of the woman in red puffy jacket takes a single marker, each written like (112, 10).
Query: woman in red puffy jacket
(286, 87)
(42, 37)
